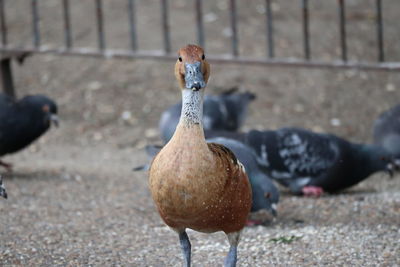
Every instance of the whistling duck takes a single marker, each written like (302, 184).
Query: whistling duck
(387, 130)
(194, 184)
(310, 163)
(226, 112)
(23, 121)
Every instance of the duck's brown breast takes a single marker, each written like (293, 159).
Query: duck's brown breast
(201, 187)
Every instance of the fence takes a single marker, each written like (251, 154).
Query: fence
(8, 51)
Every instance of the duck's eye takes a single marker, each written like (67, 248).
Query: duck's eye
(203, 57)
(180, 59)
(267, 195)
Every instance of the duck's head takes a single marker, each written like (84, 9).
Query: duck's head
(192, 69)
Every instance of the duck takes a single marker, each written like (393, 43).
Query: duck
(224, 112)
(23, 121)
(194, 184)
(265, 193)
(310, 163)
(3, 192)
(386, 130)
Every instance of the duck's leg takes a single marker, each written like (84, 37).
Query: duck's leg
(230, 260)
(186, 247)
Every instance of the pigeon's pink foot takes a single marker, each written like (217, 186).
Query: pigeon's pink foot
(253, 222)
(312, 191)
(6, 165)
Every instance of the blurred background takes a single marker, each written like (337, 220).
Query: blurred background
(73, 199)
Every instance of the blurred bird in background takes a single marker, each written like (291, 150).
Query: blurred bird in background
(23, 121)
(386, 130)
(310, 163)
(226, 111)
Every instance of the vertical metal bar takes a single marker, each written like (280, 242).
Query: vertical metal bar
(35, 24)
(67, 24)
(379, 27)
(306, 34)
(165, 26)
(199, 22)
(100, 25)
(342, 27)
(270, 29)
(6, 77)
(3, 24)
(235, 46)
(132, 24)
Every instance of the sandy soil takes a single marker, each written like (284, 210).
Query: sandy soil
(73, 199)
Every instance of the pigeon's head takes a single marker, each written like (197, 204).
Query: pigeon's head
(192, 69)
(42, 105)
(265, 196)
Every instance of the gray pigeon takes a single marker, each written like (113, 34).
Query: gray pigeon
(310, 163)
(387, 131)
(226, 111)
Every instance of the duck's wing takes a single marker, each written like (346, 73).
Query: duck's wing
(228, 162)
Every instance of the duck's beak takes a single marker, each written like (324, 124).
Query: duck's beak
(55, 120)
(193, 76)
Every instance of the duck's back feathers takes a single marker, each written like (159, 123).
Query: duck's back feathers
(265, 193)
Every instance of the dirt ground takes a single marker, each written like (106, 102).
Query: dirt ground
(73, 199)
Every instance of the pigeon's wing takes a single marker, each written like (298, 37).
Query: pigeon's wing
(306, 154)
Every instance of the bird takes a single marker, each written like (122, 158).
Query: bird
(265, 193)
(310, 163)
(23, 121)
(3, 191)
(194, 184)
(386, 130)
(226, 111)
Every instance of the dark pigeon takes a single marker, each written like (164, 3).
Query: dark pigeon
(226, 111)
(310, 163)
(3, 191)
(23, 121)
(387, 131)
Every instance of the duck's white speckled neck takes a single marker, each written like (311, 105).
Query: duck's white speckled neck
(192, 107)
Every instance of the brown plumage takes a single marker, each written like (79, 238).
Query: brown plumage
(201, 186)
(194, 184)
